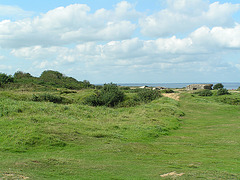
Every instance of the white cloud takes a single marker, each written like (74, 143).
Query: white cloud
(39, 52)
(112, 30)
(217, 37)
(13, 12)
(67, 25)
(115, 53)
(183, 16)
(198, 49)
(190, 7)
(125, 10)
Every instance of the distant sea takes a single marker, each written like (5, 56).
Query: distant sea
(231, 85)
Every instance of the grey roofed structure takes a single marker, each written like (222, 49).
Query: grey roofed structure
(199, 86)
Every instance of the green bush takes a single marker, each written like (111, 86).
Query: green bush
(110, 95)
(222, 91)
(93, 100)
(167, 91)
(130, 101)
(147, 95)
(205, 92)
(5, 79)
(218, 86)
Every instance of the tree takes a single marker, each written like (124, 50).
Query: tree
(218, 86)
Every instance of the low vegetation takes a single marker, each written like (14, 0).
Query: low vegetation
(205, 92)
(222, 91)
(167, 91)
(49, 131)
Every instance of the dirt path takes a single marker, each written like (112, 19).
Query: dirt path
(172, 95)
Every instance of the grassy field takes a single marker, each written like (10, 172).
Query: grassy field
(197, 138)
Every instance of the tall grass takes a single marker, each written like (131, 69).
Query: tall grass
(197, 136)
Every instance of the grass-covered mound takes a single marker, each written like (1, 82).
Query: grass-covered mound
(27, 124)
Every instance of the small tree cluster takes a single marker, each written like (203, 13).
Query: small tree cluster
(218, 86)
(220, 89)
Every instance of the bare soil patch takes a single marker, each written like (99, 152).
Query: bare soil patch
(172, 174)
(172, 95)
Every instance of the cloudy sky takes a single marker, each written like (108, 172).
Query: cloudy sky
(154, 41)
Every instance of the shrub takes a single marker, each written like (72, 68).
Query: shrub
(93, 100)
(222, 91)
(167, 91)
(205, 92)
(218, 86)
(110, 95)
(5, 79)
(130, 102)
(147, 95)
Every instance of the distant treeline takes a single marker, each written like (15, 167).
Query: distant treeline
(48, 79)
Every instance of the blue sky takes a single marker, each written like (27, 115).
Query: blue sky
(134, 41)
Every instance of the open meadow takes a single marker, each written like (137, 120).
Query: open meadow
(55, 135)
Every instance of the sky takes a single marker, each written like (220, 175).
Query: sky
(134, 41)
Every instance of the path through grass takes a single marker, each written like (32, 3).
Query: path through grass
(207, 145)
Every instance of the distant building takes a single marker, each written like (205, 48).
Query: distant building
(199, 86)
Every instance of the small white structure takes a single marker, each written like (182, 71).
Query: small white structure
(143, 87)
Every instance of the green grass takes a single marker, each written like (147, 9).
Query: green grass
(197, 136)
